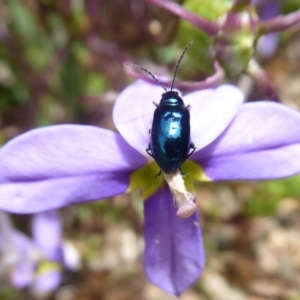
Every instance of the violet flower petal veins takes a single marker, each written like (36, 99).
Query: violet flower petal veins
(262, 142)
(52, 167)
(211, 112)
(47, 234)
(174, 253)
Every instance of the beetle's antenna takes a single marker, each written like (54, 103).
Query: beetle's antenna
(145, 70)
(179, 61)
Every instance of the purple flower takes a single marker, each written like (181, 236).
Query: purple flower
(35, 262)
(52, 167)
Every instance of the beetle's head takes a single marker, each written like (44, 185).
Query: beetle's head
(171, 98)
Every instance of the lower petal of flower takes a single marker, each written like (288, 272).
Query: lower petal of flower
(48, 277)
(22, 275)
(174, 253)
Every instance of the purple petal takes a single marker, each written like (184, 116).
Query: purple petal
(211, 112)
(24, 244)
(46, 232)
(133, 113)
(17, 253)
(267, 44)
(48, 281)
(263, 142)
(52, 167)
(22, 275)
(134, 120)
(25, 252)
(174, 254)
(267, 9)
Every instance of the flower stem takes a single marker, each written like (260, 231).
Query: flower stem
(185, 86)
(262, 80)
(201, 23)
(279, 23)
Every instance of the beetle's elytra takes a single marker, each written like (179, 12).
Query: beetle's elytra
(170, 144)
(170, 133)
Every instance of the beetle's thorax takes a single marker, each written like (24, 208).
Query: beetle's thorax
(171, 98)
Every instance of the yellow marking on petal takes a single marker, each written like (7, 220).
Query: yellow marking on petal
(188, 181)
(195, 172)
(47, 266)
(145, 179)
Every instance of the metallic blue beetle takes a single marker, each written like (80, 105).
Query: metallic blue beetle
(170, 143)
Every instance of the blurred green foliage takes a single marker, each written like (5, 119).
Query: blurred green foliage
(269, 194)
(9, 293)
(200, 52)
(54, 53)
(45, 56)
(289, 6)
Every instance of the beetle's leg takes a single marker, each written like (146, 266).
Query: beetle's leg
(158, 174)
(148, 150)
(150, 131)
(182, 173)
(155, 104)
(193, 147)
(188, 107)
